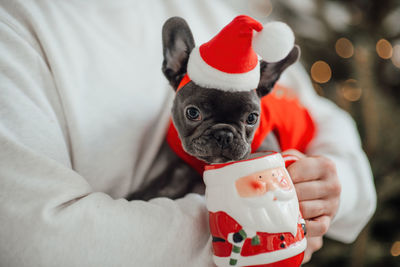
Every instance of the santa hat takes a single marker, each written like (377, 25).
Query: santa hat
(226, 174)
(230, 61)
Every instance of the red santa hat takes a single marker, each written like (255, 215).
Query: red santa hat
(230, 60)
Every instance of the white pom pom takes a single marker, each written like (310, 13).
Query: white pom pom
(274, 42)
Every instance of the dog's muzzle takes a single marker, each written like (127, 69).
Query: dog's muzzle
(224, 138)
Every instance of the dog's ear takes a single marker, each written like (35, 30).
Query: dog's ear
(270, 72)
(177, 42)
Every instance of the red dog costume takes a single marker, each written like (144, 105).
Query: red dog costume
(281, 113)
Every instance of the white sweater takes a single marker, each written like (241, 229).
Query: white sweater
(83, 109)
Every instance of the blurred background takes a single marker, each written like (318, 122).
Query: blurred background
(351, 48)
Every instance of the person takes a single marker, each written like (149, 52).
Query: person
(83, 112)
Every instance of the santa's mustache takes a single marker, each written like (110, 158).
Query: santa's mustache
(281, 194)
(270, 196)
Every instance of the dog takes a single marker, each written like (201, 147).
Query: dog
(214, 126)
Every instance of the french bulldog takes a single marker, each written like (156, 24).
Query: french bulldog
(214, 126)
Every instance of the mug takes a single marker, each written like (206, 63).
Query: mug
(254, 212)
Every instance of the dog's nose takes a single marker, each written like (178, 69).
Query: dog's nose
(223, 137)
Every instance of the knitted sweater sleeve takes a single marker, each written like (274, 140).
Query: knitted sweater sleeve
(49, 214)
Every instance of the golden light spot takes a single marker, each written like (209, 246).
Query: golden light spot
(396, 55)
(384, 49)
(350, 90)
(395, 250)
(321, 72)
(344, 48)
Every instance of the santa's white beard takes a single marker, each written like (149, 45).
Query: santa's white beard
(259, 214)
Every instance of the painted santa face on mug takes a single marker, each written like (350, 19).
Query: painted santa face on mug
(259, 183)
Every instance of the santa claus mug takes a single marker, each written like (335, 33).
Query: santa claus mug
(254, 213)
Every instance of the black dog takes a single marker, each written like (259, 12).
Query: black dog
(214, 126)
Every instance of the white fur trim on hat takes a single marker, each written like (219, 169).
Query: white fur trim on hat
(274, 42)
(230, 173)
(206, 76)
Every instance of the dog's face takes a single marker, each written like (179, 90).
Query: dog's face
(214, 125)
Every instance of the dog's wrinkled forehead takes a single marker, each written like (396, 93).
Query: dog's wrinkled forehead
(226, 105)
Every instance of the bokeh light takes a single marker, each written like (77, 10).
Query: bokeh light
(321, 72)
(350, 90)
(395, 250)
(344, 48)
(396, 55)
(384, 49)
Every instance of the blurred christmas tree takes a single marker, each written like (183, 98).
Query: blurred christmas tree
(351, 49)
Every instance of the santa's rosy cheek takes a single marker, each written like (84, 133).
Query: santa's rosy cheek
(250, 187)
(257, 186)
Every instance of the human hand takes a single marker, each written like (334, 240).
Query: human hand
(318, 190)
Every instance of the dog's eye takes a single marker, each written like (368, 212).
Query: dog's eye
(252, 118)
(193, 114)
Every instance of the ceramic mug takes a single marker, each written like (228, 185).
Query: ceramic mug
(254, 212)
